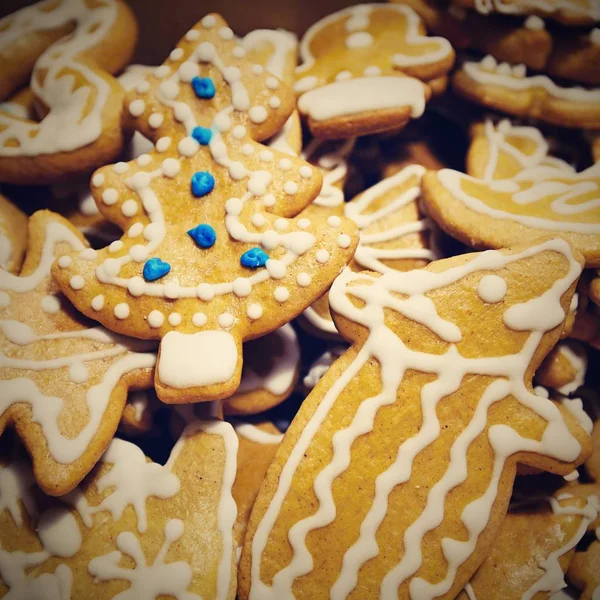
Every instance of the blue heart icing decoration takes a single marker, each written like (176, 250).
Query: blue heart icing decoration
(155, 269)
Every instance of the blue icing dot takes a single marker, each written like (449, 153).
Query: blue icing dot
(204, 235)
(202, 183)
(202, 135)
(204, 87)
(254, 258)
(155, 269)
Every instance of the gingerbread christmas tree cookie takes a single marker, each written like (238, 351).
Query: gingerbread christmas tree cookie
(208, 258)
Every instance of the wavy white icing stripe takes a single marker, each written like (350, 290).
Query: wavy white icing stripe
(256, 435)
(536, 316)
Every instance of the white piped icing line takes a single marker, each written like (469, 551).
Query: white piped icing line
(255, 434)
(536, 316)
(588, 9)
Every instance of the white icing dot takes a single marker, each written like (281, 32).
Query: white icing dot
(303, 279)
(162, 71)
(254, 311)
(226, 33)
(188, 146)
(182, 112)
(209, 21)
(538, 390)
(98, 302)
(304, 223)
(120, 168)
(188, 70)
(276, 268)
(110, 196)
(64, 261)
(285, 164)
(257, 69)
(143, 160)
(359, 39)
(88, 254)
(77, 282)
(488, 63)
(143, 87)
(136, 286)
(237, 170)
(519, 71)
(492, 289)
(137, 108)
(274, 102)
(156, 319)
(115, 246)
(595, 36)
(372, 71)
(138, 253)
(4, 299)
(265, 155)
(140, 181)
(162, 145)
(281, 294)
(270, 239)
(205, 292)
(225, 320)
(172, 290)
(78, 373)
(170, 167)
(241, 287)
(272, 83)
(290, 187)
(233, 206)
(122, 310)
(129, 208)
(281, 224)
(176, 54)
(238, 52)
(269, 200)
(169, 89)
(111, 267)
(334, 221)
(155, 120)
(534, 23)
(344, 241)
(205, 52)
(322, 256)
(198, 319)
(258, 114)
(343, 76)
(192, 35)
(258, 220)
(248, 149)
(135, 230)
(238, 132)
(305, 172)
(50, 304)
(174, 319)
(98, 179)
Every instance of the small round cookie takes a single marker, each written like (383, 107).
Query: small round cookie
(13, 236)
(508, 88)
(68, 47)
(351, 60)
(131, 529)
(271, 369)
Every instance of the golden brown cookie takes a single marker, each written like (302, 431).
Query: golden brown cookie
(138, 413)
(208, 259)
(271, 368)
(131, 530)
(68, 47)
(584, 571)
(395, 475)
(13, 236)
(63, 379)
(564, 368)
(508, 88)
(351, 59)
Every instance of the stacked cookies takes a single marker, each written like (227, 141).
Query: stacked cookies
(381, 239)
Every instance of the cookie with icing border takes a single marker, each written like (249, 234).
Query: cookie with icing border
(271, 369)
(63, 379)
(210, 256)
(564, 368)
(68, 48)
(508, 88)
(396, 473)
(576, 58)
(257, 443)
(130, 530)
(533, 548)
(13, 236)
(347, 82)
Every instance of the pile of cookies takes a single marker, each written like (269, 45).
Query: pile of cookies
(382, 239)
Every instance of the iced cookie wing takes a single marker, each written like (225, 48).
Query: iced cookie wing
(424, 420)
(63, 381)
(208, 259)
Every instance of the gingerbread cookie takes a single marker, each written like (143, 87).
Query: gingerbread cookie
(271, 368)
(131, 529)
(208, 259)
(13, 236)
(499, 213)
(367, 483)
(508, 88)
(63, 379)
(139, 411)
(69, 48)
(257, 445)
(564, 368)
(348, 80)
(533, 549)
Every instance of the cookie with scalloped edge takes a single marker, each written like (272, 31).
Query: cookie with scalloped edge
(130, 530)
(257, 443)
(363, 69)
(211, 256)
(13, 236)
(508, 88)
(271, 369)
(395, 475)
(533, 548)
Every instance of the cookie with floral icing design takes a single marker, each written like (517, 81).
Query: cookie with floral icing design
(13, 236)
(131, 529)
(350, 63)
(271, 368)
(257, 445)
(63, 379)
(533, 548)
(367, 483)
(394, 233)
(68, 48)
(508, 88)
(209, 259)
(536, 201)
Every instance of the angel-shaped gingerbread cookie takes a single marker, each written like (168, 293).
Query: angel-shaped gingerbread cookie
(63, 379)
(208, 259)
(395, 475)
(349, 80)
